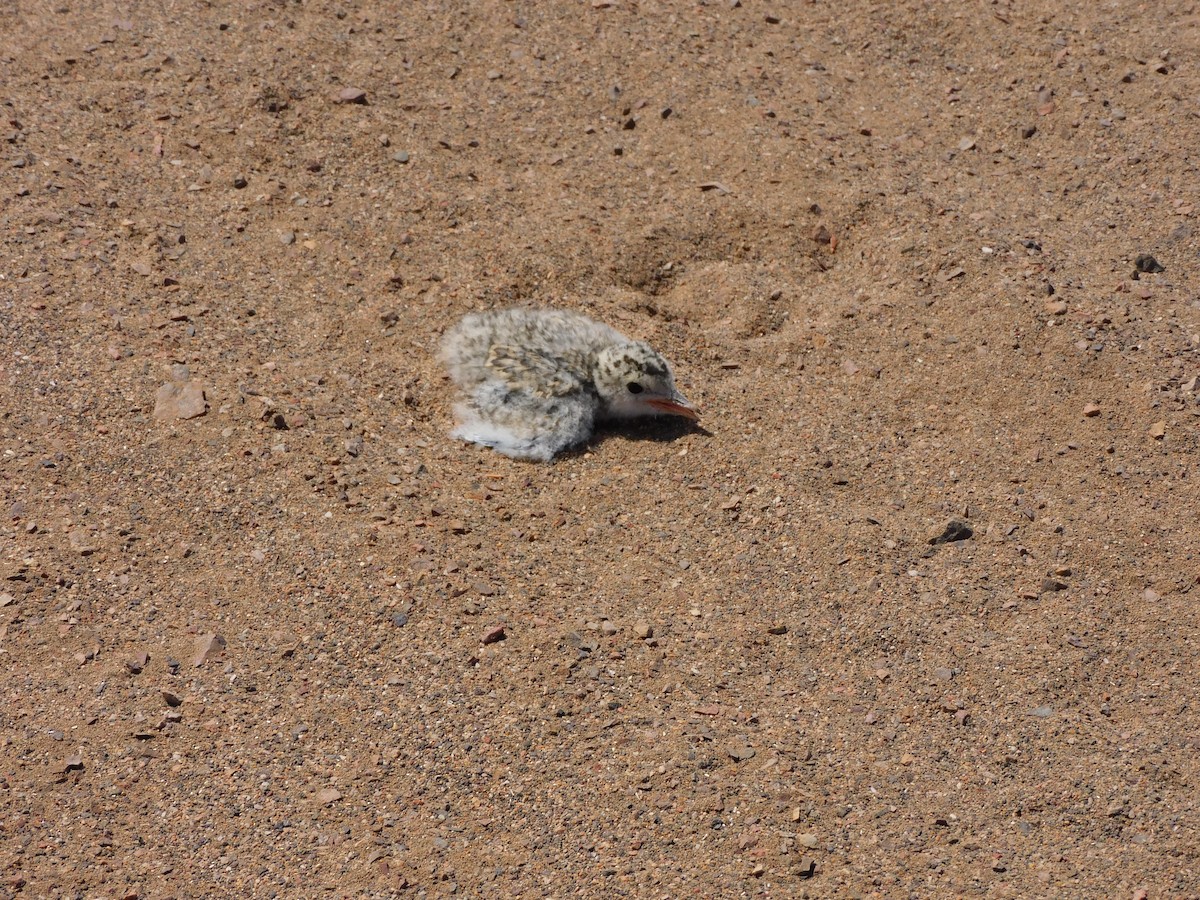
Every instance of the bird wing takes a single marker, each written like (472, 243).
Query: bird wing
(524, 426)
(532, 371)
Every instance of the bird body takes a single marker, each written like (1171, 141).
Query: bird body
(537, 380)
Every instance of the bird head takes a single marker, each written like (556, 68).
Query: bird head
(632, 379)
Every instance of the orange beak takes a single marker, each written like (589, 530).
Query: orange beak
(675, 406)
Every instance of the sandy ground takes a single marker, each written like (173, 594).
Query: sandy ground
(891, 250)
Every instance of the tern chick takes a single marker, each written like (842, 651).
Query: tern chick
(537, 380)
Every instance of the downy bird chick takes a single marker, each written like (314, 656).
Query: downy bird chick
(537, 380)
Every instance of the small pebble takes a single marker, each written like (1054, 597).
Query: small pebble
(582, 644)
(1091, 410)
(207, 646)
(740, 751)
(955, 530)
(1148, 264)
(179, 400)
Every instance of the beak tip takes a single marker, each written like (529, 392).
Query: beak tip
(677, 406)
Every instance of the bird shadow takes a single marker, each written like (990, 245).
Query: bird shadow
(662, 430)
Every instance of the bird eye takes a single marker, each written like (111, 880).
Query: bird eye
(634, 387)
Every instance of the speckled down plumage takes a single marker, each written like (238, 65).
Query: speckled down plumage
(536, 380)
